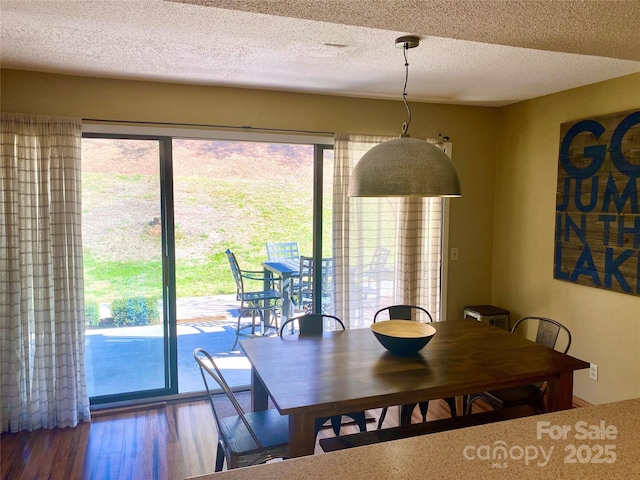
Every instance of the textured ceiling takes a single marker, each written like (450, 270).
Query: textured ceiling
(481, 52)
(606, 28)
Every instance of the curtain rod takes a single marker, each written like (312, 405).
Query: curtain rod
(204, 125)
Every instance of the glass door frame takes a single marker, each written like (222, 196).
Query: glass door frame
(170, 338)
(318, 189)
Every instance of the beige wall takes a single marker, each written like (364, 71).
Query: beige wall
(605, 325)
(472, 131)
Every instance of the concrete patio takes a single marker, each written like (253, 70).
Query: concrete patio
(127, 359)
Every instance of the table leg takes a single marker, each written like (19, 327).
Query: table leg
(302, 435)
(461, 405)
(405, 413)
(266, 315)
(560, 392)
(286, 297)
(259, 394)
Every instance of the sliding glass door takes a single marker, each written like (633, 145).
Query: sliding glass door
(158, 215)
(125, 264)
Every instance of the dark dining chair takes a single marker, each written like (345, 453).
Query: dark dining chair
(403, 312)
(546, 333)
(258, 296)
(315, 324)
(416, 314)
(244, 438)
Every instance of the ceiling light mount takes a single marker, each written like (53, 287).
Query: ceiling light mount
(408, 41)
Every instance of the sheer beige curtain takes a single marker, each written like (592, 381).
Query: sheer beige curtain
(386, 250)
(41, 297)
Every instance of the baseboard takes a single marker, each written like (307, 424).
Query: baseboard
(578, 402)
(126, 409)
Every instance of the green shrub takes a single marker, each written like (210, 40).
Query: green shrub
(92, 314)
(134, 311)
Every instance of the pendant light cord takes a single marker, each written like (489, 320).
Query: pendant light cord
(405, 125)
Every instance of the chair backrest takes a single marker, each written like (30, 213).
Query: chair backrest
(378, 260)
(305, 284)
(209, 370)
(403, 312)
(283, 251)
(547, 332)
(235, 269)
(314, 323)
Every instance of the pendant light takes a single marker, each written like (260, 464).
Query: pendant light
(405, 166)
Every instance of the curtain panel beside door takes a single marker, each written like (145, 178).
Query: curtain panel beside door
(41, 290)
(387, 250)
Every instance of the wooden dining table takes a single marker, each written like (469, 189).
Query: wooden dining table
(347, 371)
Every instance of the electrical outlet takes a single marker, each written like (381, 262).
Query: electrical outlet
(454, 254)
(593, 371)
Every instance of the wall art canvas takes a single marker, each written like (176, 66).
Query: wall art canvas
(597, 223)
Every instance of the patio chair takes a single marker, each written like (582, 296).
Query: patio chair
(245, 438)
(303, 292)
(418, 314)
(376, 275)
(377, 269)
(547, 333)
(314, 324)
(262, 302)
(283, 251)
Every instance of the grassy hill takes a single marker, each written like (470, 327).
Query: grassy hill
(235, 195)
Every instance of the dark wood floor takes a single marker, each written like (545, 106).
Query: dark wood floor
(165, 442)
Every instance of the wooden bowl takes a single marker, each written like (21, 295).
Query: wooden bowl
(403, 337)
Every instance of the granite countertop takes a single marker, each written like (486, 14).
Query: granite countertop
(602, 441)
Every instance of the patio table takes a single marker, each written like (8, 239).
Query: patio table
(286, 270)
